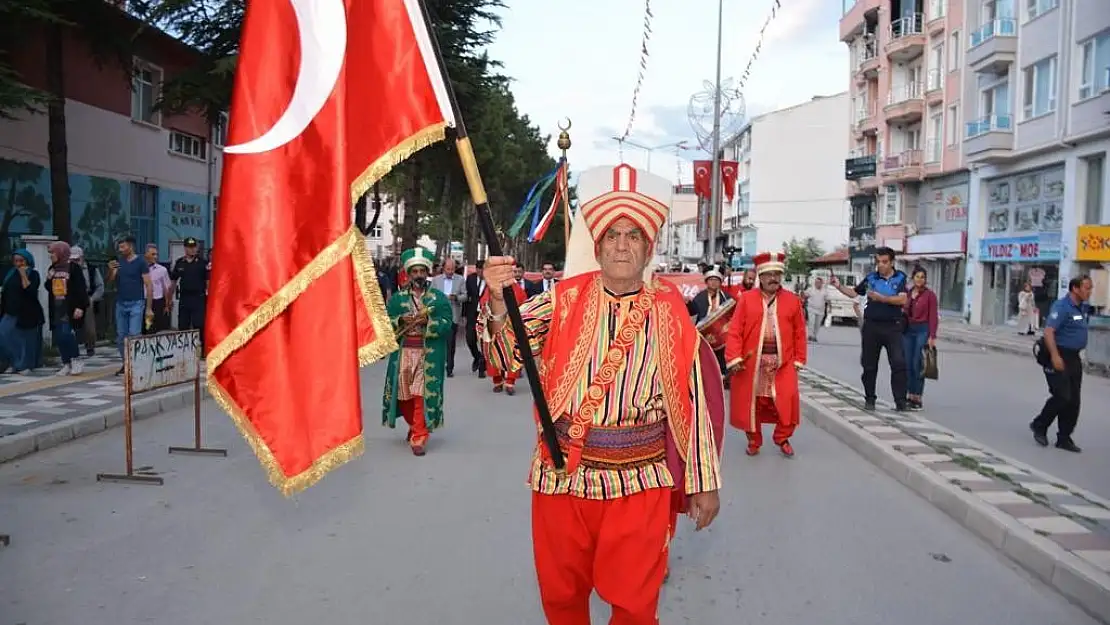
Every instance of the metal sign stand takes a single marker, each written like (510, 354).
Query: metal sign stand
(128, 418)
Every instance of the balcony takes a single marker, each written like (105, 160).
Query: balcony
(854, 20)
(907, 38)
(992, 47)
(866, 53)
(867, 121)
(905, 104)
(859, 167)
(989, 138)
(935, 23)
(903, 167)
(934, 86)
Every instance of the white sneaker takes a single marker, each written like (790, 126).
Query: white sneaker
(65, 370)
(76, 367)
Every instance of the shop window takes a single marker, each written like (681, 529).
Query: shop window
(1096, 174)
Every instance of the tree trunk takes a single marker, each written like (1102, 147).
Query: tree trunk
(56, 146)
(470, 232)
(412, 206)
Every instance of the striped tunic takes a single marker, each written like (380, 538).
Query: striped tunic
(635, 398)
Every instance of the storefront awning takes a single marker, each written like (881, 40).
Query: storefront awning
(942, 256)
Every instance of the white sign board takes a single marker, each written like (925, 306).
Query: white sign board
(164, 359)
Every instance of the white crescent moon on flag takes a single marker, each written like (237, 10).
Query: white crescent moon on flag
(322, 30)
(702, 171)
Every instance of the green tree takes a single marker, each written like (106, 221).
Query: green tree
(20, 198)
(800, 253)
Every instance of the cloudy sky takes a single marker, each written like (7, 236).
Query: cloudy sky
(579, 59)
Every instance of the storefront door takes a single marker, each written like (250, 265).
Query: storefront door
(996, 294)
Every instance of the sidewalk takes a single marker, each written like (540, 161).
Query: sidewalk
(997, 338)
(43, 410)
(1057, 531)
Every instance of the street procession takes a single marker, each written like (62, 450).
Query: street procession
(423, 334)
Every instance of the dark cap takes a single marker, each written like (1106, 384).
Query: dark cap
(190, 242)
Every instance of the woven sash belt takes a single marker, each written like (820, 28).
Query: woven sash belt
(610, 448)
(413, 341)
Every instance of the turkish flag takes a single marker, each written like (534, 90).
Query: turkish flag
(728, 179)
(703, 179)
(329, 95)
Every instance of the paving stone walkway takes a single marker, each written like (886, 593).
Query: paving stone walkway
(1076, 520)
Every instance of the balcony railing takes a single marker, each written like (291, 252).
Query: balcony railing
(904, 93)
(1001, 27)
(866, 50)
(908, 158)
(994, 123)
(936, 9)
(906, 26)
(935, 80)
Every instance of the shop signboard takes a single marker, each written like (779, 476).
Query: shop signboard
(1031, 248)
(937, 243)
(1092, 244)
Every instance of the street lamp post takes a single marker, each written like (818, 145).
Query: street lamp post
(715, 178)
(650, 149)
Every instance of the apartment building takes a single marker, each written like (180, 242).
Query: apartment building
(908, 186)
(678, 243)
(774, 152)
(1036, 136)
(132, 168)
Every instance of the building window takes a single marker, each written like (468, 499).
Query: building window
(219, 131)
(188, 145)
(954, 51)
(1033, 8)
(953, 125)
(936, 68)
(1039, 89)
(1094, 73)
(1096, 174)
(934, 142)
(144, 92)
(863, 215)
(892, 205)
(144, 214)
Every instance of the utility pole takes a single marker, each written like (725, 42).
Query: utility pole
(715, 178)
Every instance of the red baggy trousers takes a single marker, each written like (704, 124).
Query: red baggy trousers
(618, 546)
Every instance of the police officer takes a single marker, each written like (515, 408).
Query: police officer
(883, 325)
(190, 273)
(1065, 335)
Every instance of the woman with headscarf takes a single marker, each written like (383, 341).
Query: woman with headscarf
(22, 318)
(67, 300)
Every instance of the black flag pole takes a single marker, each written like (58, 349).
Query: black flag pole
(493, 242)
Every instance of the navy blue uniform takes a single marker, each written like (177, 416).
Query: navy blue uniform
(1069, 323)
(191, 277)
(883, 325)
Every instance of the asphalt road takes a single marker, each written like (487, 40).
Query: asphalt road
(991, 397)
(444, 540)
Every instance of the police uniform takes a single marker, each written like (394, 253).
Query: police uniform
(1069, 323)
(882, 329)
(191, 277)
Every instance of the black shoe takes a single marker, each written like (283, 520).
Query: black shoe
(481, 373)
(90, 351)
(869, 404)
(901, 407)
(1039, 435)
(450, 374)
(1068, 445)
(120, 372)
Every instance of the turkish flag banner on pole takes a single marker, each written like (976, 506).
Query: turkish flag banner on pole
(728, 179)
(329, 96)
(703, 181)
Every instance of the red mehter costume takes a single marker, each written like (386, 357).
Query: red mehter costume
(506, 382)
(767, 332)
(626, 382)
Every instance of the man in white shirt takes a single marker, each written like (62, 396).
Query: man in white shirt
(548, 280)
(816, 298)
(162, 286)
(454, 287)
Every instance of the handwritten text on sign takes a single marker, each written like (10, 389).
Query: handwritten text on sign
(164, 359)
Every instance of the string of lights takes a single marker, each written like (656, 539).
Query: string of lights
(643, 69)
(775, 8)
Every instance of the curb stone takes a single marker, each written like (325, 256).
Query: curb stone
(54, 434)
(1064, 571)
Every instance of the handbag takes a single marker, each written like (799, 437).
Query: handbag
(931, 369)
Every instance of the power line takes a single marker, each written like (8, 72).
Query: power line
(759, 43)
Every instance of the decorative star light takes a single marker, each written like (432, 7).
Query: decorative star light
(700, 112)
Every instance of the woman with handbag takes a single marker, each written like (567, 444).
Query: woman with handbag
(920, 337)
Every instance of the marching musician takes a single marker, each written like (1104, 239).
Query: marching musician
(620, 401)
(422, 319)
(707, 302)
(505, 380)
(765, 347)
